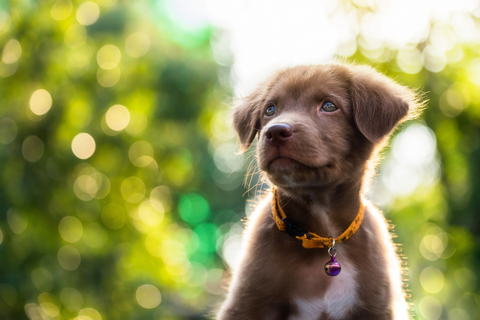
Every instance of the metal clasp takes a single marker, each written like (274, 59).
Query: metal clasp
(332, 251)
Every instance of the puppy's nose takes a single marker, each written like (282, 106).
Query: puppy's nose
(278, 133)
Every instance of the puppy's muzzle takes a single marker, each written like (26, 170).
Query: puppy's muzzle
(278, 134)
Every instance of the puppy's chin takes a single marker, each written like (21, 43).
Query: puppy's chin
(282, 164)
(289, 173)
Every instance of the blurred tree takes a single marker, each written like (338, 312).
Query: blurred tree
(105, 126)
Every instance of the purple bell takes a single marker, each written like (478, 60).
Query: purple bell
(332, 267)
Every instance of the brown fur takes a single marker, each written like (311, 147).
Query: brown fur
(319, 172)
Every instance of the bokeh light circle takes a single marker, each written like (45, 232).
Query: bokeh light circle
(8, 130)
(117, 117)
(430, 308)
(40, 102)
(137, 44)
(83, 146)
(85, 187)
(61, 9)
(32, 148)
(88, 13)
(410, 60)
(161, 195)
(6, 70)
(11, 52)
(89, 314)
(431, 279)
(5, 21)
(72, 299)
(16, 221)
(148, 296)
(141, 153)
(69, 257)
(91, 184)
(42, 279)
(108, 78)
(193, 208)
(108, 56)
(70, 228)
(50, 309)
(150, 214)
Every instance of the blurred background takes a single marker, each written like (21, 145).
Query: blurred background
(121, 191)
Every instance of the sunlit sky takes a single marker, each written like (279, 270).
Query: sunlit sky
(264, 35)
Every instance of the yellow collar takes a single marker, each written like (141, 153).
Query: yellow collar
(309, 239)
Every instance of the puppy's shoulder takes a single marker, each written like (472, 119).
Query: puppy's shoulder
(377, 227)
(260, 221)
(374, 214)
(262, 240)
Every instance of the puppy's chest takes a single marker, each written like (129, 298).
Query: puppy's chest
(317, 294)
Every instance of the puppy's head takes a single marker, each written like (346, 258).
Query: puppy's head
(318, 125)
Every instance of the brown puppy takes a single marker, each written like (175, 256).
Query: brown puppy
(319, 128)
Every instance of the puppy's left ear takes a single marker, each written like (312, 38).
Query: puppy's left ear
(379, 103)
(246, 118)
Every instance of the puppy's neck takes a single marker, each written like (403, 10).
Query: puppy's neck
(325, 211)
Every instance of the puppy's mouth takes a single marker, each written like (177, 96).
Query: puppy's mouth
(282, 162)
(286, 163)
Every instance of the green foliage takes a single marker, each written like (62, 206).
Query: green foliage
(193, 209)
(107, 200)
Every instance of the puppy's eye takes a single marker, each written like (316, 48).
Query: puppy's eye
(270, 110)
(328, 107)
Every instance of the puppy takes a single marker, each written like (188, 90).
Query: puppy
(319, 128)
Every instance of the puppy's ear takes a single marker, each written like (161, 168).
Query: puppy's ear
(379, 103)
(246, 118)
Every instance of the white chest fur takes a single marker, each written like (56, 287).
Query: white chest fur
(339, 299)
